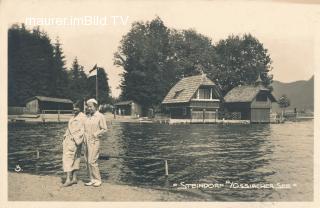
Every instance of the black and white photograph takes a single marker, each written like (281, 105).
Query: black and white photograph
(159, 101)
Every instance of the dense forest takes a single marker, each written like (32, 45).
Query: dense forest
(154, 57)
(36, 66)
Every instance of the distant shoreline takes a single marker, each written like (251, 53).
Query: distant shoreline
(63, 118)
(52, 118)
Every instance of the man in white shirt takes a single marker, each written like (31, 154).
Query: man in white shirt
(94, 126)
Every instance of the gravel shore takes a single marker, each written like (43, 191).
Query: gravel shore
(26, 187)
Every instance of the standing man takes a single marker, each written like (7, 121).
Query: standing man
(94, 126)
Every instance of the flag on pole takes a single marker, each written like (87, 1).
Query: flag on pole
(93, 71)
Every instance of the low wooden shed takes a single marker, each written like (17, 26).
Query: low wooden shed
(38, 104)
(129, 108)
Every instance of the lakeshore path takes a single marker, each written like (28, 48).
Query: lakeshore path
(49, 118)
(26, 187)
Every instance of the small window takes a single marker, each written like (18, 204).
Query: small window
(177, 93)
(184, 111)
(262, 97)
(195, 96)
(204, 93)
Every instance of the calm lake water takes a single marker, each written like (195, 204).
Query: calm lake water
(277, 154)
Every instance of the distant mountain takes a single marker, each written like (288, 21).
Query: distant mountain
(300, 93)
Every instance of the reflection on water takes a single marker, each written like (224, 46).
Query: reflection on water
(199, 154)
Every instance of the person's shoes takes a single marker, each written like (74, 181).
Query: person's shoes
(89, 183)
(74, 182)
(97, 184)
(67, 183)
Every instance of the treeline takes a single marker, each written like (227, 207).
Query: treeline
(37, 67)
(154, 57)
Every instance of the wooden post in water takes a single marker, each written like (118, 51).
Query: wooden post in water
(42, 116)
(59, 116)
(166, 167)
(38, 154)
(203, 115)
(215, 117)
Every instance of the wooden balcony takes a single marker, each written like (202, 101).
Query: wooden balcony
(205, 103)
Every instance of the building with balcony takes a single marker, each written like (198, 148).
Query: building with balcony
(196, 98)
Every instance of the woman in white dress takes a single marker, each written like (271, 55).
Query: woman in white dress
(72, 144)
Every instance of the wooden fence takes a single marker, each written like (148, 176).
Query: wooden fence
(16, 110)
(58, 115)
(204, 115)
(230, 115)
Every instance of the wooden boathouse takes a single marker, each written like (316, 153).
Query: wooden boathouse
(194, 98)
(252, 102)
(39, 104)
(128, 108)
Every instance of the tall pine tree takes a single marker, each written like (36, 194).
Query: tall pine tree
(78, 82)
(59, 72)
(30, 62)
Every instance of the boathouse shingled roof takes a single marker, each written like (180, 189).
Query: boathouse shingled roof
(184, 90)
(50, 99)
(246, 93)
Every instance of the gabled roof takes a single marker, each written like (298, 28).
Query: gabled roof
(246, 93)
(50, 99)
(184, 90)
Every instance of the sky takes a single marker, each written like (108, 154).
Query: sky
(286, 29)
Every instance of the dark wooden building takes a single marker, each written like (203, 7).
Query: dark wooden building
(194, 98)
(129, 108)
(38, 104)
(253, 102)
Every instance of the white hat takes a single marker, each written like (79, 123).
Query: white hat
(92, 100)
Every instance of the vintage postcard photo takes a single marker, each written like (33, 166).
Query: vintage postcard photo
(160, 101)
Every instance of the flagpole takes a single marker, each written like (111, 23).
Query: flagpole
(97, 85)
(84, 105)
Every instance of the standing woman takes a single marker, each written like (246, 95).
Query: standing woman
(95, 125)
(72, 143)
